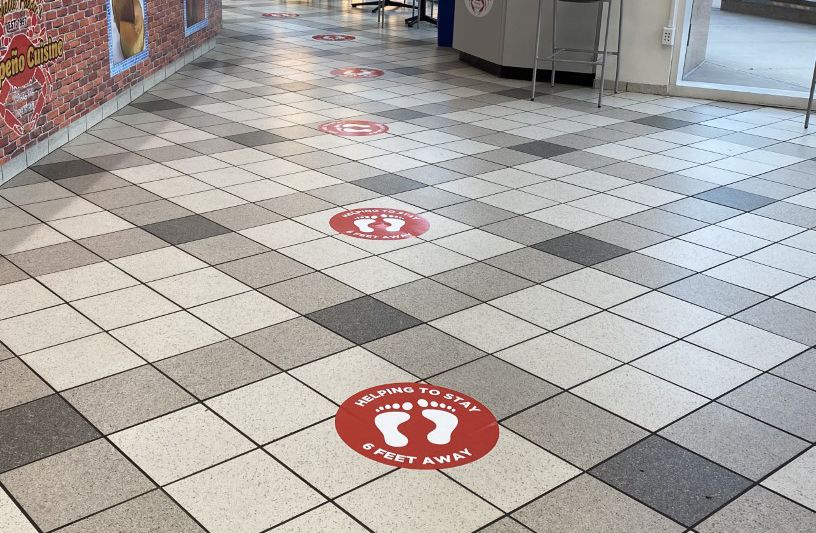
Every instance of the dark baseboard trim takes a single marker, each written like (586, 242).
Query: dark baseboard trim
(520, 73)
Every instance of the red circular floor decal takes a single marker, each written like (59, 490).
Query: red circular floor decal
(418, 426)
(333, 37)
(356, 72)
(281, 15)
(379, 224)
(353, 128)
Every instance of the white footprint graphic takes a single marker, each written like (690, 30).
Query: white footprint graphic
(441, 415)
(389, 421)
(364, 224)
(394, 224)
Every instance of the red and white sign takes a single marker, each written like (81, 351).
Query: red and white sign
(281, 15)
(353, 128)
(417, 426)
(357, 72)
(379, 224)
(333, 37)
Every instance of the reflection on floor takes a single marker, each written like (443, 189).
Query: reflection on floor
(630, 291)
(750, 51)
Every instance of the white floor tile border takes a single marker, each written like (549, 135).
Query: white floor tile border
(37, 151)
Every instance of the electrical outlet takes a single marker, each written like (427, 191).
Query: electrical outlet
(667, 37)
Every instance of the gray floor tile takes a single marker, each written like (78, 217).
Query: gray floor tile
(186, 229)
(363, 320)
(625, 235)
(664, 222)
(56, 258)
(783, 319)
(644, 270)
(735, 198)
(295, 205)
(312, 292)
(713, 294)
(777, 402)
(533, 264)
(482, 281)
(18, 384)
(575, 430)
(426, 299)
(264, 269)
(738, 442)
(123, 243)
(758, 511)
(423, 350)
(490, 378)
(581, 249)
(41, 428)
(702, 210)
(223, 248)
(475, 213)
(676, 482)
(294, 343)
(243, 216)
(524, 230)
(586, 505)
(801, 369)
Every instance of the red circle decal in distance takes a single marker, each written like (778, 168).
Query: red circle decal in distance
(379, 224)
(353, 128)
(417, 426)
(333, 37)
(357, 73)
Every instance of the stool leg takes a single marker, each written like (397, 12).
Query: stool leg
(606, 47)
(554, 44)
(620, 38)
(535, 54)
(810, 100)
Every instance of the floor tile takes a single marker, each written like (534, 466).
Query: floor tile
(309, 293)
(180, 443)
(615, 336)
(684, 486)
(759, 510)
(534, 265)
(780, 403)
(125, 306)
(153, 511)
(294, 342)
(19, 384)
(426, 299)
(587, 505)
(666, 313)
(186, 229)
(544, 307)
(738, 442)
(78, 482)
(41, 329)
(640, 397)
(264, 269)
(488, 379)
(24, 297)
(782, 319)
(487, 328)
(371, 275)
(575, 430)
(795, 481)
(495, 477)
(446, 505)
(12, 518)
(644, 270)
(482, 281)
(326, 516)
(595, 287)
(243, 313)
(272, 408)
(713, 294)
(801, 369)
(128, 398)
(269, 494)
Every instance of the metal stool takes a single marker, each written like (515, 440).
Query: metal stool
(810, 100)
(599, 56)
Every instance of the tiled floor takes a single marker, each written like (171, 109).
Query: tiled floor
(630, 291)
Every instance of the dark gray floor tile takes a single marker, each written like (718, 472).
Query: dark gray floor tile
(294, 343)
(40, 428)
(312, 292)
(89, 183)
(264, 269)
(524, 230)
(662, 122)
(217, 368)
(424, 351)
(389, 184)
(426, 299)
(243, 216)
(489, 379)
(186, 229)
(783, 319)
(581, 249)
(66, 169)
(760, 511)
(735, 198)
(364, 319)
(533, 264)
(575, 430)
(152, 213)
(482, 281)
(713, 294)
(50, 259)
(542, 149)
(154, 512)
(126, 399)
(586, 505)
(801, 369)
(295, 205)
(645, 270)
(475, 213)
(9, 273)
(738, 442)
(778, 402)
(674, 481)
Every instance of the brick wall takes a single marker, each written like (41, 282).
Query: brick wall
(81, 79)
